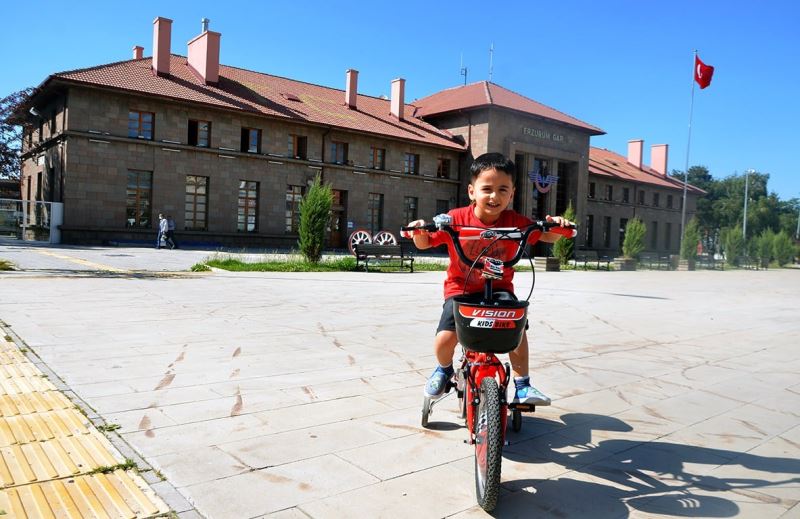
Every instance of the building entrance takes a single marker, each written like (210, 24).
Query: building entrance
(338, 224)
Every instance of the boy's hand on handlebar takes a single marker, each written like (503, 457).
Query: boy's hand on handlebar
(415, 223)
(560, 220)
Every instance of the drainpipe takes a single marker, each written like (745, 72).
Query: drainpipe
(322, 170)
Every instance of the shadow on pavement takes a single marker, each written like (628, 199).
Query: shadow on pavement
(649, 476)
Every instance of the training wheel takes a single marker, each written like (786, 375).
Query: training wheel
(516, 420)
(357, 237)
(426, 411)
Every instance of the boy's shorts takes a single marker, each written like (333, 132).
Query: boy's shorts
(448, 321)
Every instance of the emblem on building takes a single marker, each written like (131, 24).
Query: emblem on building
(541, 183)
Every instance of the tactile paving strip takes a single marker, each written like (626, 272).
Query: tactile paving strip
(53, 462)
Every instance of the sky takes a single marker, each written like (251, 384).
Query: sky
(622, 65)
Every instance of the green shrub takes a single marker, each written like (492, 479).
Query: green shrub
(691, 237)
(733, 244)
(6, 265)
(315, 215)
(200, 267)
(562, 249)
(764, 246)
(782, 248)
(635, 232)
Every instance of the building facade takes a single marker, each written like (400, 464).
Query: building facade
(229, 153)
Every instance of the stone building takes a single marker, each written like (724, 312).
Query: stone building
(229, 152)
(621, 188)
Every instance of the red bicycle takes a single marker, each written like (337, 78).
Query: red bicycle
(487, 326)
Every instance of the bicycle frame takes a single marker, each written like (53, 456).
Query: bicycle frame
(479, 366)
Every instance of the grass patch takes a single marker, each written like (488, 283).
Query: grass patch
(200, 267)
(6, 265)
(235, 265)
(107, 469)
(108, 427)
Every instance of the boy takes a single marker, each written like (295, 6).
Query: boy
(491, 191)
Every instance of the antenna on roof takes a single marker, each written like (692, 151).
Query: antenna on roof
(463, 69)
(491, 55)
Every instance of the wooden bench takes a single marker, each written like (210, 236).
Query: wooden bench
(653, 260)
(591, 256)
(383, 256)
(707, 261)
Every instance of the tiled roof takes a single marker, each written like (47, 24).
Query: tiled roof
(609, 164)
(263, 94)
(484, 93)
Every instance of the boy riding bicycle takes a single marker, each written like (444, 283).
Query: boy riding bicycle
(491, 191)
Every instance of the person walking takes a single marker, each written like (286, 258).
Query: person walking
(162, 230)
(171, 233)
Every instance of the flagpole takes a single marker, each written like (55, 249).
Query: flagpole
(686, 168)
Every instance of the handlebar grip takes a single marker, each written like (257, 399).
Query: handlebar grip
(567, 232)
(430, 227)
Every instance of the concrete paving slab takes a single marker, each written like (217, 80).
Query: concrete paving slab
(661, 382)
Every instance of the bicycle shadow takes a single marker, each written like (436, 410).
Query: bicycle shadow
(612, 477)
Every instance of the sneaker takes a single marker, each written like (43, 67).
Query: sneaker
(527, 394)
(437, 382)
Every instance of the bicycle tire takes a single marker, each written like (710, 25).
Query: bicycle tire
(516, 420)
(488, 445)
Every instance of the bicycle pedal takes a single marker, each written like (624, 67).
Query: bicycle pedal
(523, 408)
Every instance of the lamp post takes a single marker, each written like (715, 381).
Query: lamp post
(744, 223)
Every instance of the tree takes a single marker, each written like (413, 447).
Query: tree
(733, 244)
(634, 238)
(562, 249)
(315, 215)
(11, 133)
(764, 247)
(690, 238)
(783, 248)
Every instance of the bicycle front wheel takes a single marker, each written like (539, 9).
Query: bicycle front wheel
(488, 445)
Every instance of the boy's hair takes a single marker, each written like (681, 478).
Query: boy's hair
(496, 161)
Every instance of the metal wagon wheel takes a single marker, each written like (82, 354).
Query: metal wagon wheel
(384, 238)
(357, 237)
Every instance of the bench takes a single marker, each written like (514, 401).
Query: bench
(653, 260)
(747, 262)
(591, 256)
(707, 261)
(383, 256)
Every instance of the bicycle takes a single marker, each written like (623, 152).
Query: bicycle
(487, 326)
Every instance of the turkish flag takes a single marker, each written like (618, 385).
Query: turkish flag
(702, 73)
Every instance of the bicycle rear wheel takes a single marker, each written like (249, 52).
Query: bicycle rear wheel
(488, 445)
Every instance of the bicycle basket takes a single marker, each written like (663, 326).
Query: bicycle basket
(489, 328)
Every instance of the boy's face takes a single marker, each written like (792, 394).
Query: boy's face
(492, 191)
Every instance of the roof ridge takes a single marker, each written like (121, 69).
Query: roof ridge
(546, 106)
(104, 65)
(488, 92)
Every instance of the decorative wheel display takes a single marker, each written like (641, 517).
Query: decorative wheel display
(384, 238)
(358, 236)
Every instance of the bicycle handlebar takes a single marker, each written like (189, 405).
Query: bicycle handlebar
(444, 223)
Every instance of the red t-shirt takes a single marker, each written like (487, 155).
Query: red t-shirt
(500, 249)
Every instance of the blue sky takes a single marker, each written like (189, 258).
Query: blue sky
(625, 66)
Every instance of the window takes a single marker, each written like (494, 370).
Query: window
(294, 195)
(626, 195)
(667, 235)
(607, 232)
(656, 197)
(298, 146)
(52, 123)
(591, 189)
(247, 215)
(137, 198)
(670, 201)
(443, 168)
(442, 206)
(375, 212)
(623, 224)
(140, 125)
(195, 209)
(251, 140)
(41, 130)
(609, 193)
(339, 152)
(199, 133)
(589, 231)
(410, 204)
(377, 158)
(411, 164)
(654, 235)
(641, 197)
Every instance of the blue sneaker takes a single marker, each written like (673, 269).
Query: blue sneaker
(437, 382)
(527, 394)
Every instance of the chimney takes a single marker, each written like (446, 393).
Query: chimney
(398, 97)
(162, 34)
(658, 158)
(351, 91)
(137, 52)
(204, 54)
(635, 152)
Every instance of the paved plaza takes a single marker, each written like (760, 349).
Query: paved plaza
(675, 394)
